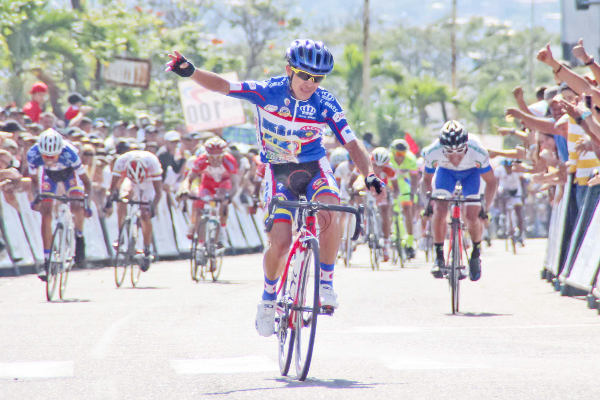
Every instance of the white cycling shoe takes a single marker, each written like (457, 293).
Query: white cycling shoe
(328, 296)
(265, 318)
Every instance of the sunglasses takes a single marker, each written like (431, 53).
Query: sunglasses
(89, 154)
(46, 157)
(400, 153)
(305, 76)
(455, 151)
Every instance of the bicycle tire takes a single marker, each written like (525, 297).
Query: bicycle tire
(214, 261)
(454, 276)
(68, 264)
(348, 245)
(286, 332)
(121, 259)
(194, 258)
(307, 309)
(135, 234)
(54, 262)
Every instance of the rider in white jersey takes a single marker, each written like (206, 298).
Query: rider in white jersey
(456, 158)
(510, 191)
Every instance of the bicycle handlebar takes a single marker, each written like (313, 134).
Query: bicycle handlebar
(63, 198)
(127, 201)
(315, 206)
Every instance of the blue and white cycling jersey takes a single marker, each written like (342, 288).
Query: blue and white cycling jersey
(476, 157)
(67, 160)
(290, 130)
(475, 162)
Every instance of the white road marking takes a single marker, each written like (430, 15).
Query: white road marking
(407, 363)
(101, 347)
(414, 329)
(230, 365)
(36, 369)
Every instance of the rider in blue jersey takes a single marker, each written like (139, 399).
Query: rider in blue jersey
(292, 114)
(60, 163)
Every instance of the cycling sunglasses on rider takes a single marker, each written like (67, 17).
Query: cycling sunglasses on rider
(48, 157)
(458, 150)
(305, 76)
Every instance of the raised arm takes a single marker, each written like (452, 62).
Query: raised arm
(209, 80)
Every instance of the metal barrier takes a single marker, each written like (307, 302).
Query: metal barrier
(22, 234)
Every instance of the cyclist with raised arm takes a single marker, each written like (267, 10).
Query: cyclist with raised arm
(454, 158)
(60, 163)
(137, 175)
(404, 163)
(292, 113)
(214, 168)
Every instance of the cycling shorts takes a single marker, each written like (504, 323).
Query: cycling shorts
(289, 181)
(446, 179)
(404, 189)
(210, 189)
(71, 181)
(140, 192)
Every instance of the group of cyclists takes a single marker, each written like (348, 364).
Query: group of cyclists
(293, 113)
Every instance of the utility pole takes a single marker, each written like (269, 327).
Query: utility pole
(530, 61)
(366, 76)
(453, 44)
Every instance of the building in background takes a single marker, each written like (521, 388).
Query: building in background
(578, 24)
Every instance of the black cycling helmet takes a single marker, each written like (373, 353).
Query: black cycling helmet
(310, 56)
(399, 145)
(453, 135)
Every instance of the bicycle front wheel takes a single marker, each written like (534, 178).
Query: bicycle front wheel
(454, 276)
(194, 259)
(306, 308)
(69, 260)
(54, 262)
(215, 253)
(348, 245)
(135, 238)
(122, 259)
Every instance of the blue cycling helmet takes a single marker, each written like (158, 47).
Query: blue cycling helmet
(310, 56)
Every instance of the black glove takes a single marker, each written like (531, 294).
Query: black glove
(483, 214)
(372, 181)
(183, 72)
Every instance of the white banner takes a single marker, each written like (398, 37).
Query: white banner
(205, 110)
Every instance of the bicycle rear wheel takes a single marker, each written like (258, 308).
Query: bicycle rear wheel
(122, 259)
(68, 263)
(54, 262)
(306, 308)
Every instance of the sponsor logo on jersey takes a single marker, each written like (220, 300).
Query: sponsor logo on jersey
(310, 130)
(252, 85)
(324, 113)
(46, 186)
(284, 112)
(307, 109)
(276, 83)
(331, 106)
(338, 116)
(318, 183)
(286, 101)
(347, 131)
(271, 108)
(325, 95)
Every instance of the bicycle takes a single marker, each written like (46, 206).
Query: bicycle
(347, 242)
(128, 249)
(62, 250)
(511, 231)
(455, 270)
(298, 304)
(426, 241)
(207, 256)
(373, 232)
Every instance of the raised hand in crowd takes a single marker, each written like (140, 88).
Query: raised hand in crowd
(582, 55)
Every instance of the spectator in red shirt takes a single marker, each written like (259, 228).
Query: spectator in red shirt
(75, 106)
(33, 108)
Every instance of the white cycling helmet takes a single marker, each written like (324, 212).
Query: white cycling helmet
(338, 156)
(136, 170)
(380, 156)
(50, 142)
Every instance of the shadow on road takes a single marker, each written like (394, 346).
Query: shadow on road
(71, 301)
(146, 288)
(310, 382)
(482, 314)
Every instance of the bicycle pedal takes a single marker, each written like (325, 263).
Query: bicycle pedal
(327, 310)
